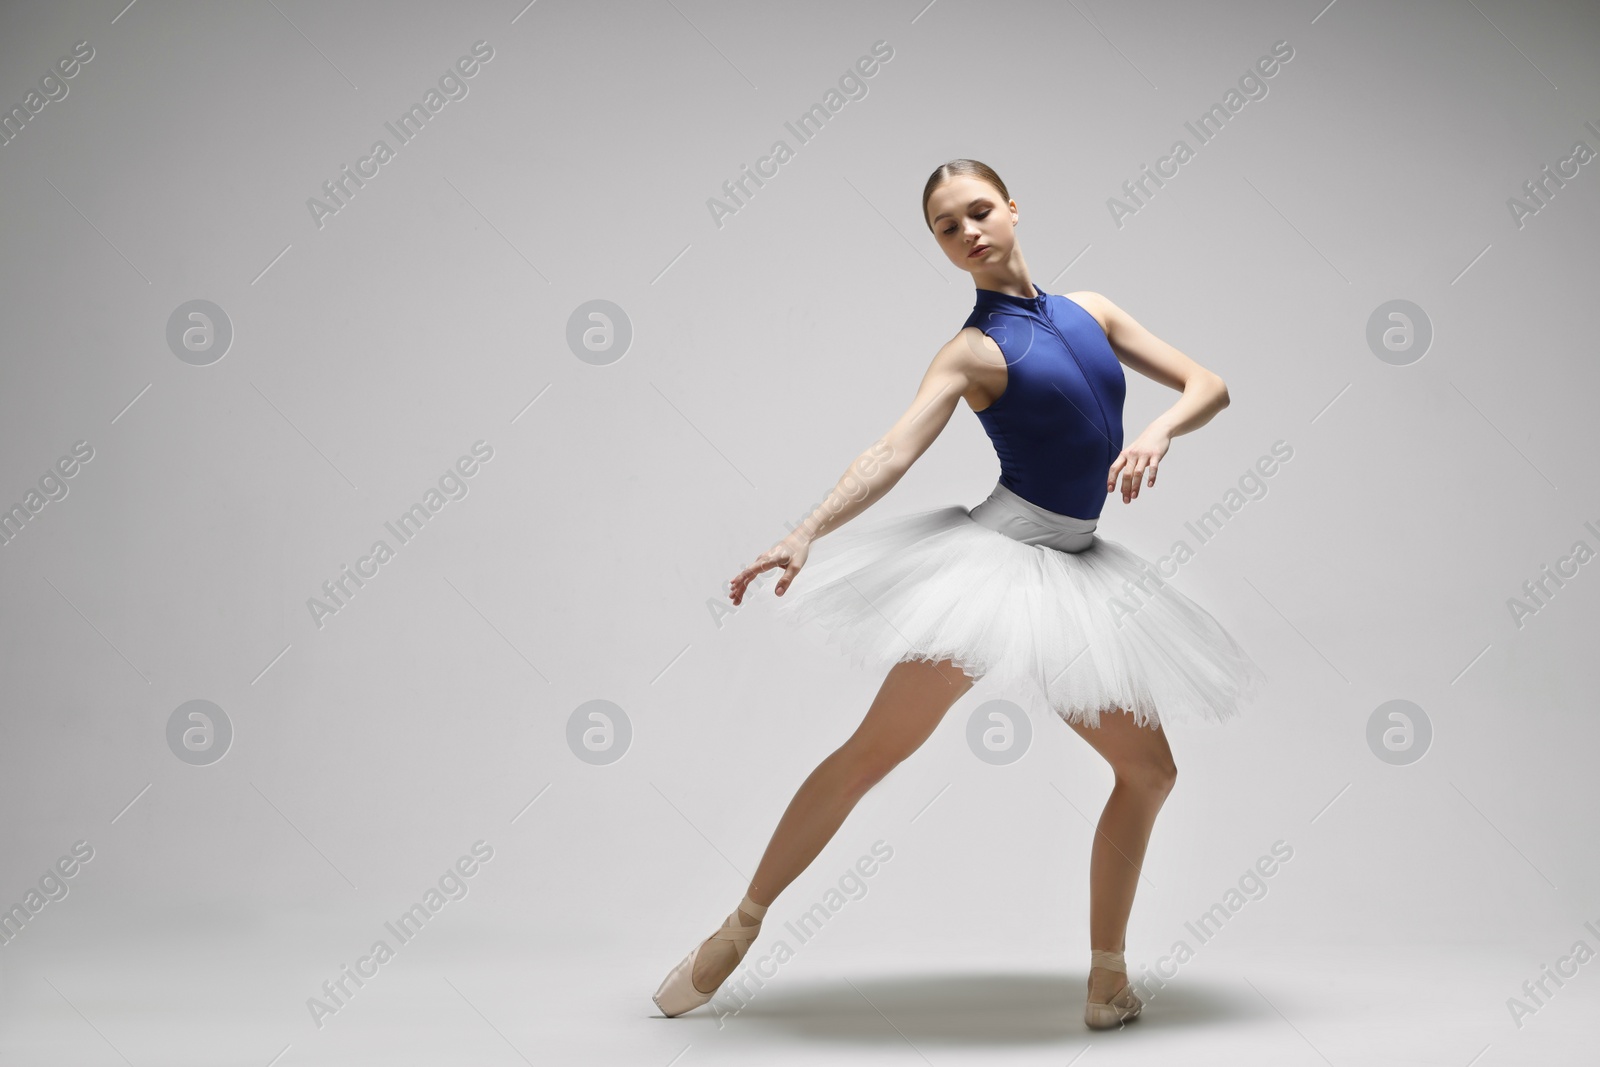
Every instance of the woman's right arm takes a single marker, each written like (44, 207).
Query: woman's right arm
(876, 470)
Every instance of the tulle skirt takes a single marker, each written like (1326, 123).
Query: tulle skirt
(1055, 617)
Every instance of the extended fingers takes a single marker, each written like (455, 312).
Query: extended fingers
(1131, 467)
(1111, 475)
(1144, 470)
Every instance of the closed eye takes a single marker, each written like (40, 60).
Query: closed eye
(980, 216)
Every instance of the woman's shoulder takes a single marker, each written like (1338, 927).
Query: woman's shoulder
(972, 346)
(1096, 305)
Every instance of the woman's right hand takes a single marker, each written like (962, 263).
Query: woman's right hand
(790, 554)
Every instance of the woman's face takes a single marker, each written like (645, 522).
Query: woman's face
(968, 216)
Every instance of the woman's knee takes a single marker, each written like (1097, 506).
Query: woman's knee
(1149, 776)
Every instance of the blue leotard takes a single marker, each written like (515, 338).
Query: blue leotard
(1057, 428)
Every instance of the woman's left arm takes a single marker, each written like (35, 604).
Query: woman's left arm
(1204, 392)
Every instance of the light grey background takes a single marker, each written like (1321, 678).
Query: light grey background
(433, 711)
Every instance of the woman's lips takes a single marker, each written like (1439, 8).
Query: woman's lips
(980, 250)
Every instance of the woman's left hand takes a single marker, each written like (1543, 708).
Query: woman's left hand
(1142, 456)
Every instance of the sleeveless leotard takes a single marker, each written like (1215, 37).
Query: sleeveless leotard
(1057, 428)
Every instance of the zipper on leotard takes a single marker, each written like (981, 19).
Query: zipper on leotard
(1105, 425)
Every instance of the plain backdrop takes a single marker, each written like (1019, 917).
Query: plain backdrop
(743, 359)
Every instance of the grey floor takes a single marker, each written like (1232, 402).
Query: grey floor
(199, 993)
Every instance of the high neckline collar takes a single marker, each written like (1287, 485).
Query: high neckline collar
(992, 298)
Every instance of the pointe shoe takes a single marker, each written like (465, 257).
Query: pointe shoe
(678, 993)
(1122, 1008)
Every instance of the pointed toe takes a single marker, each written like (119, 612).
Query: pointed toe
(677, 993)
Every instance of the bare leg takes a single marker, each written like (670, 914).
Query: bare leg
(911, 702)
(1145, 775)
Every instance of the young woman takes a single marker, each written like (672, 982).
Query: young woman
(1018, 589)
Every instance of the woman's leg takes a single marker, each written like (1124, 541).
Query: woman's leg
(1145, 775)
(910, 703)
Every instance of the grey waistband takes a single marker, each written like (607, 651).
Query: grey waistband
(1006, 512)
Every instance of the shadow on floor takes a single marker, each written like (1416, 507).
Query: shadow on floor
(988, 1008)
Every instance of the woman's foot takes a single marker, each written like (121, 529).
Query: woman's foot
(1111, 1001)
(695, 980)
(1105, 983)
(715, 959)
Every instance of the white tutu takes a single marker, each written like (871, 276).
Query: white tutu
(1057, 618)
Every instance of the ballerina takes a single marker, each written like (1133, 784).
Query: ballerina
(1019, 589)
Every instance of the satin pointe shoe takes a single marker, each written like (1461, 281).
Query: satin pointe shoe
(1122, 1008)
(678, 993)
